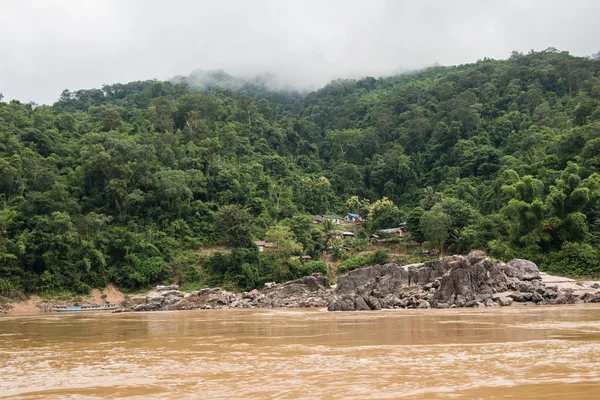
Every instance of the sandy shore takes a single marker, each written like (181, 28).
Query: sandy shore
(36, 304)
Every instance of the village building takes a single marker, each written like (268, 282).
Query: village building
(319, 219)
(261, 244)
(399, 231)
(350, 217)
(348, 234)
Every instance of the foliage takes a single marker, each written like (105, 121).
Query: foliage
(435, 224)
(362, 260)
(284, 243)
(384, 214)
(235, 223)
(120, 183)
(301, 269)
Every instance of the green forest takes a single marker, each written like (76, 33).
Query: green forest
(129, 182)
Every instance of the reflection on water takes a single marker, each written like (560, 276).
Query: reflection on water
(516, 352)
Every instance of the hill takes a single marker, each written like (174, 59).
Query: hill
(122, 183)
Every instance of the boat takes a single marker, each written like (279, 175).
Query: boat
(106, 307)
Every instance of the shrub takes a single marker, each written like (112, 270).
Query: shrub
(378, 257)
(301, 269)
(576, 259)
(353, 262)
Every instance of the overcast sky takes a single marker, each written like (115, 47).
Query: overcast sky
(48, 46)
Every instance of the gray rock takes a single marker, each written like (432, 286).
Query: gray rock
(161, 288)
(373, 303)
(523, 270)
(518, 297)
(505, 301)
(525, 287)
(423, 304)
(342, 303)
(475, 256)
(361, 304)
(310, 291)
(470, 281)
(536, 297)
(253, 294)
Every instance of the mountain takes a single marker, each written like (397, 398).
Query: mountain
(128, 182)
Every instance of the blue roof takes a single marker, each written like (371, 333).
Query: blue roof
(354, 215)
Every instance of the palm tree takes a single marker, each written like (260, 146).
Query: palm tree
(337, 247)
(330, 231)
(430, 198)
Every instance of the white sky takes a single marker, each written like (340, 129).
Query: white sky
(48, 46)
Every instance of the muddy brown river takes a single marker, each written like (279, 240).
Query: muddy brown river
(515, 352)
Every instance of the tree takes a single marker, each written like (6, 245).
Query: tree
(284, 242)
(413, 222)
(331, 231)
(110, 119)
(235, 224)
(358, 206)
(435, 224)
(429, 198)
(384, 214)
(163, 111)
(121, 164)
(315, 194)
(306, 233)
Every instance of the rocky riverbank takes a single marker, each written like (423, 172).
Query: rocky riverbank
(457, 281)
(309, 291)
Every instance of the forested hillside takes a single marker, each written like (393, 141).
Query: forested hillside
(122, 183)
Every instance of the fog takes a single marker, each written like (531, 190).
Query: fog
(47, 47)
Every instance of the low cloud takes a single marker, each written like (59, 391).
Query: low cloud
(50, 46)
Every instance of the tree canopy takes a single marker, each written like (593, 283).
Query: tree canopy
(114, 184)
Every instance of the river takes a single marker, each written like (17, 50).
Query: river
(518, 352)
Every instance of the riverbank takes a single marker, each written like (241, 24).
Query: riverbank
(38, 304)
(456, 281)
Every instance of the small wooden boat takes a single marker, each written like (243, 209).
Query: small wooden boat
(106, 307)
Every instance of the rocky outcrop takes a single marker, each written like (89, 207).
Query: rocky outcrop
(162, 298)
(471, 281)
(457, 281)
(309, 291)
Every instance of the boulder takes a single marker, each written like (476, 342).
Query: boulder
(423, 304)
(470, 281)
(536, 297)
(475, 256)
(523, 270)
(252, 295)
(489, 303)
(312, 283)
(342, 303)
(360, 304)
(505, 301)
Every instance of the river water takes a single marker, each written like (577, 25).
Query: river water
(519, 352)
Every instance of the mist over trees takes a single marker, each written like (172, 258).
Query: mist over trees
(121, 183)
